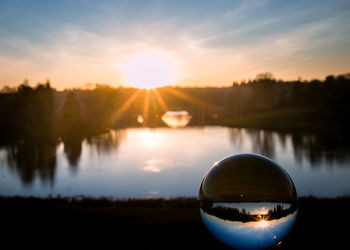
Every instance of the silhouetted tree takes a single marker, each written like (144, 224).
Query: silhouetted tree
(32, 137)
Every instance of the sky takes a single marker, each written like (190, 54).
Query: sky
(198, 43)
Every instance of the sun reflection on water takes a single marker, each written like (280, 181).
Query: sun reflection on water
(150, 138)
(151, 166)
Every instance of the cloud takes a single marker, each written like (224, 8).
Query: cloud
(234, 45)
(288, 53)
(244, 7)
(72, 56)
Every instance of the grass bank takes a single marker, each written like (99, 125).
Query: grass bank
(284, 118)
(151, 224)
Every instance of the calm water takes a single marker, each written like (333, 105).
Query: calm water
(165, 162)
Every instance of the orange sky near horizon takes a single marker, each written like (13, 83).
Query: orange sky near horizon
(171, 43)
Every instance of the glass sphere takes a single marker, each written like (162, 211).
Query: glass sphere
(248, 201)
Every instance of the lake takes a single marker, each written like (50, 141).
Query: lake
(166, 162)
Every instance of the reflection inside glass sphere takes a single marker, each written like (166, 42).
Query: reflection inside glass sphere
(248, 201)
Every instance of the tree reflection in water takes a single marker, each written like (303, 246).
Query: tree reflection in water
(107, 142)
(315, 147)
(72, 149)
(35, 153)
(29, 159)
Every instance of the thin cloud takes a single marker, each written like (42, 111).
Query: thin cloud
(233, 46)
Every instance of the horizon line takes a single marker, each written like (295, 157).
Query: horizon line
(91, 86)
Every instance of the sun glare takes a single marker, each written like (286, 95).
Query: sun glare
(263, 223)
(150, 139)
(147, 71)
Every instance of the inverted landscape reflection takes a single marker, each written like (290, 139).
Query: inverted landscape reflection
(170, 162)
(259, 234)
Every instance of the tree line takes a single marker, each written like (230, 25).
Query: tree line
(25, 110)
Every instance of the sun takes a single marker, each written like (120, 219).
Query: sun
(150, 70)
(263, 223)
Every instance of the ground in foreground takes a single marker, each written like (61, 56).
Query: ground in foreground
(151, 224)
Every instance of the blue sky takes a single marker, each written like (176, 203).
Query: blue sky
(210, 42)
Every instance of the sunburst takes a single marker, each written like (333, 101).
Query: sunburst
(151, 96)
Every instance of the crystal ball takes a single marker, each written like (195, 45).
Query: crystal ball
(248, 201)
